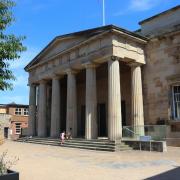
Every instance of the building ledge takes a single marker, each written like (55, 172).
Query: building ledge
(174, 121)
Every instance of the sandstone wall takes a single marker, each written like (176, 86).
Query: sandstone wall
(161, 71)
(161, 22)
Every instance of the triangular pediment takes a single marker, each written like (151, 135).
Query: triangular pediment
(65, 42)
(62, 43)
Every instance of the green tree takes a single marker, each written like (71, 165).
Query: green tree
(10, 45)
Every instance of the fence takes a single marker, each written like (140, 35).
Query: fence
(157, 132)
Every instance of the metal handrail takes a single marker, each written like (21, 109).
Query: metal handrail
(131, 131)
(157, 132)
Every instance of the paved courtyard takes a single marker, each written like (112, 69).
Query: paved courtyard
(39, 162)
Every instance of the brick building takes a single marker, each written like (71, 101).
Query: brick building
(13, 118)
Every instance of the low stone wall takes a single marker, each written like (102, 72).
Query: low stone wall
(159, 146)
(1, 137)
(1, 141)
(173, 142)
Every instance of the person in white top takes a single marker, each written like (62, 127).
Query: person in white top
(62, 136)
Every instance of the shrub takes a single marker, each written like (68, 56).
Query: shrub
(6, 164)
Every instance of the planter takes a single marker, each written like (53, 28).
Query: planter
(11, 175)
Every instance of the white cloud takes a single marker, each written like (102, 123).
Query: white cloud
(138, 5)
(143, 5)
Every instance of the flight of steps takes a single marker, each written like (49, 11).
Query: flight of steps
(100, 145)
(173, 138)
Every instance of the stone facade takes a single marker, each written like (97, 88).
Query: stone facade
(13, 118)
(93, 82)
(161, 71)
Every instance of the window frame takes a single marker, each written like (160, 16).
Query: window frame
(25, 111)
(173, 103)
(18, 111)
(18, 128)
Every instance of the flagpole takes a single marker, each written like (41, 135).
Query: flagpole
(104, 22)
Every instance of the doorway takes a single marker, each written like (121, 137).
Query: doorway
(123, 113)
(6, 132)
(82, 122)
(102, 124)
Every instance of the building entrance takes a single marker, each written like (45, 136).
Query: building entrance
(123, 113)
(82, 122)
(6, 132)
(102, 124)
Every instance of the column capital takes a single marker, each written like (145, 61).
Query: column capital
(90, 65)
(32, 84)
(70, 71)
(134, 64)
(114, 58)
(56, 76)
(42, 81)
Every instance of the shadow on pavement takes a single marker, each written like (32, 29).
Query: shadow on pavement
(173, 174)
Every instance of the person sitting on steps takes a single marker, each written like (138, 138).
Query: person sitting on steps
(69, 134)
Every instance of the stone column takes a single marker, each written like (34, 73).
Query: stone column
(114, 101)
(42, 128)
(91, 103)
(37, 110)
(32, 111)
(55, 108)
(137, 100)
(71, 116)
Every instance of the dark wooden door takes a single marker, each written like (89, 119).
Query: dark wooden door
(6, 132)
(82, 122)
(123, 112)
(102, 126)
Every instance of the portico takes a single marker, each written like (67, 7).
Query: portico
(95, 84)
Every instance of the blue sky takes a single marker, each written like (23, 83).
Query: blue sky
(41, 20)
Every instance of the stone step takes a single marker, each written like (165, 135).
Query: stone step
(77, 140)
(80, 143)
(73, 141)
(73, 146)
(97, 147)
(101, 145)
(83, 147)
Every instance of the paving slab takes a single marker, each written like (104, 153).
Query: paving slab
(40, 162)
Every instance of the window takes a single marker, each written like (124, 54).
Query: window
(25, 111)
(176, 102)
(18, 128)
(18, 111)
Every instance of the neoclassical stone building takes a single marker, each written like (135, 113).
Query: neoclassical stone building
(96, 81)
